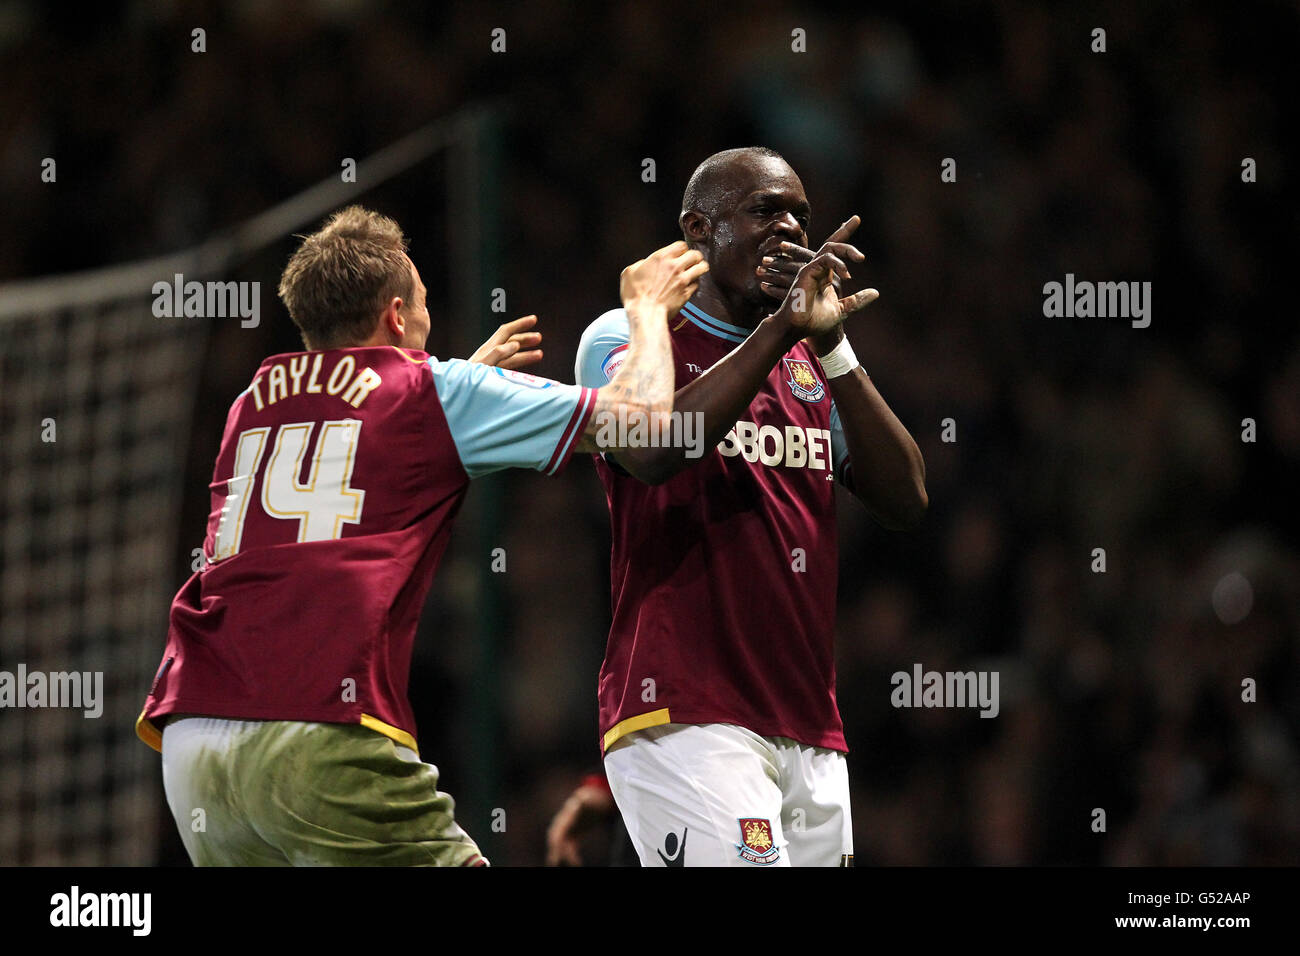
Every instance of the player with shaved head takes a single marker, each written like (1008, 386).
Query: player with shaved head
(722, 740)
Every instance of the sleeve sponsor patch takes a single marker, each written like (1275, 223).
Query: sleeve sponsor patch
(613, 361)
(523, 378)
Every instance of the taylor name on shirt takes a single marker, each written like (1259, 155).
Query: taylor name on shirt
(286, 379)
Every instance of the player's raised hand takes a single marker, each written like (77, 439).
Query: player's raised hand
(512, 345)
(667, 277)
(653, 289)
(812, 303)
(783, 259)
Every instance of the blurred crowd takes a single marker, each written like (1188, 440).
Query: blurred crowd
(1121, 690)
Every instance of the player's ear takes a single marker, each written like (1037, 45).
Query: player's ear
(392, 321)
(695, 226)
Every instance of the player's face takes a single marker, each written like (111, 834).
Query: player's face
(416, 313)
(770, 207)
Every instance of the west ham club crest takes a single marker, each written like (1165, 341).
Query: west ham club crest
(803, 380)
(758, 846)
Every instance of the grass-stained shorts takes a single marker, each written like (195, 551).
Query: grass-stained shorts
(290, 793)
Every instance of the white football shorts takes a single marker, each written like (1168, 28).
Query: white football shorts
(721, 795)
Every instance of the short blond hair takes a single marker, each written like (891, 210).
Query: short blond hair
(342, 277)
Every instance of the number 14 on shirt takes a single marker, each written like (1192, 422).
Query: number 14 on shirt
(321, 505)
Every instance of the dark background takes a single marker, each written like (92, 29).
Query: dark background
(1119, 690)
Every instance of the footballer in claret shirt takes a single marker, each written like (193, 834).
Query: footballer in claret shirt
(722, 740)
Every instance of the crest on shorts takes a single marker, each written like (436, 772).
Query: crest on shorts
(756, 844)
(803, 380)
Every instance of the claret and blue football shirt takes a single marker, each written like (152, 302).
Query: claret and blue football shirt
(333, 494)
(724, 577)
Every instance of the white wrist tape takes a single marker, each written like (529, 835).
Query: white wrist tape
(839, 360)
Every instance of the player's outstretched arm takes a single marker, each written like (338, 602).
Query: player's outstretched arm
(724, 391)
(652, 289)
